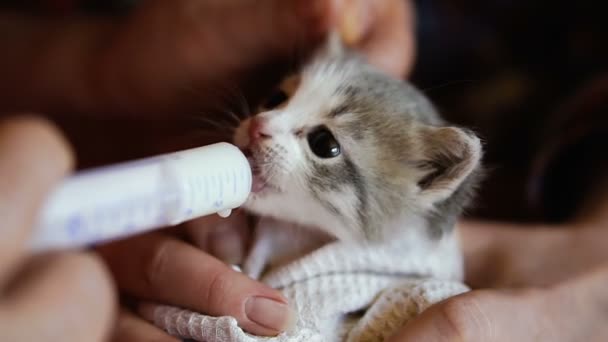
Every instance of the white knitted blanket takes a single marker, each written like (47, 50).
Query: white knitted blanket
(340, 291)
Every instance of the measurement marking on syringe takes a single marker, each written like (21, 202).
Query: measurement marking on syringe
(217, 180)
(234, 181)
(227, 180)
(194, 189)
(221, 186)
(206, 189)
(212, 187)
(74, 226)
(246, 180)
(117, 217)
(200, 190)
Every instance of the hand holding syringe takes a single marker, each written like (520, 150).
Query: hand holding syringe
(126, 199)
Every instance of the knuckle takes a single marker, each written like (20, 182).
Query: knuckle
(458, 314)
(216, 289)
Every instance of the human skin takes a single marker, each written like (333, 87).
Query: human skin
(547, 283)
(42, 297)
(130, 73)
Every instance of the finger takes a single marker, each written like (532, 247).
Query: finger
(161, 269)
(33, 157)
(481, 253)
(131, 328)
(508, 255)
(225, 239)
(390, 44)
(59, 298)
(480, 316)
(383, 30)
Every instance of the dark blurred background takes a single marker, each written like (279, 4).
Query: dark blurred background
(530, 77)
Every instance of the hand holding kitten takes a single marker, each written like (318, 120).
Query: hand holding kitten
(548, 283)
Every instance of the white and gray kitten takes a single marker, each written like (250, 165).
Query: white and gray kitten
(358, 154)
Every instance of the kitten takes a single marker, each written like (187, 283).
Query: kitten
(349, 150)
(343, 149)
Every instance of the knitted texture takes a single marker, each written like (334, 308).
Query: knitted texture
(340, 291)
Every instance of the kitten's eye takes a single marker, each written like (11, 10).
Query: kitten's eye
(323, 144)
(276, 99)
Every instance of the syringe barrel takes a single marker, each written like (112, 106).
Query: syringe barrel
(111, 202)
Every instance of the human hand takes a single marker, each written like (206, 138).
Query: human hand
(574, 310)
(159, 268)
(54, 297)
(559, 275)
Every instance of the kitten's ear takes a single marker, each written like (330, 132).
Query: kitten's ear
(450, 155)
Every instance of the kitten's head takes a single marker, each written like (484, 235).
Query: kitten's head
(345, 148)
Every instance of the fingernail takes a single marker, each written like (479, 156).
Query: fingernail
(354, 21)
(270, 314)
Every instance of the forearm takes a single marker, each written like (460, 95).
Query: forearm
(47, 62)
(502, 254)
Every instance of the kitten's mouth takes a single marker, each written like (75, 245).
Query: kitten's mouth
(259, 183)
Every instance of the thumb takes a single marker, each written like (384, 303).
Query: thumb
(483, 316)
(382, 30)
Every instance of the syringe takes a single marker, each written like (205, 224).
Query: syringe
(125, 199)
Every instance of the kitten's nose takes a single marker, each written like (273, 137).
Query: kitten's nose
(258, 129)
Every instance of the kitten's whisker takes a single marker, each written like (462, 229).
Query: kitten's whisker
(230, 98)
(222, 98)
(233, 116)
(212, 116)
(214, 123)
(243, 108)
(223, 115)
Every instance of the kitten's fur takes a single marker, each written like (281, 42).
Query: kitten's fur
(401, 166)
